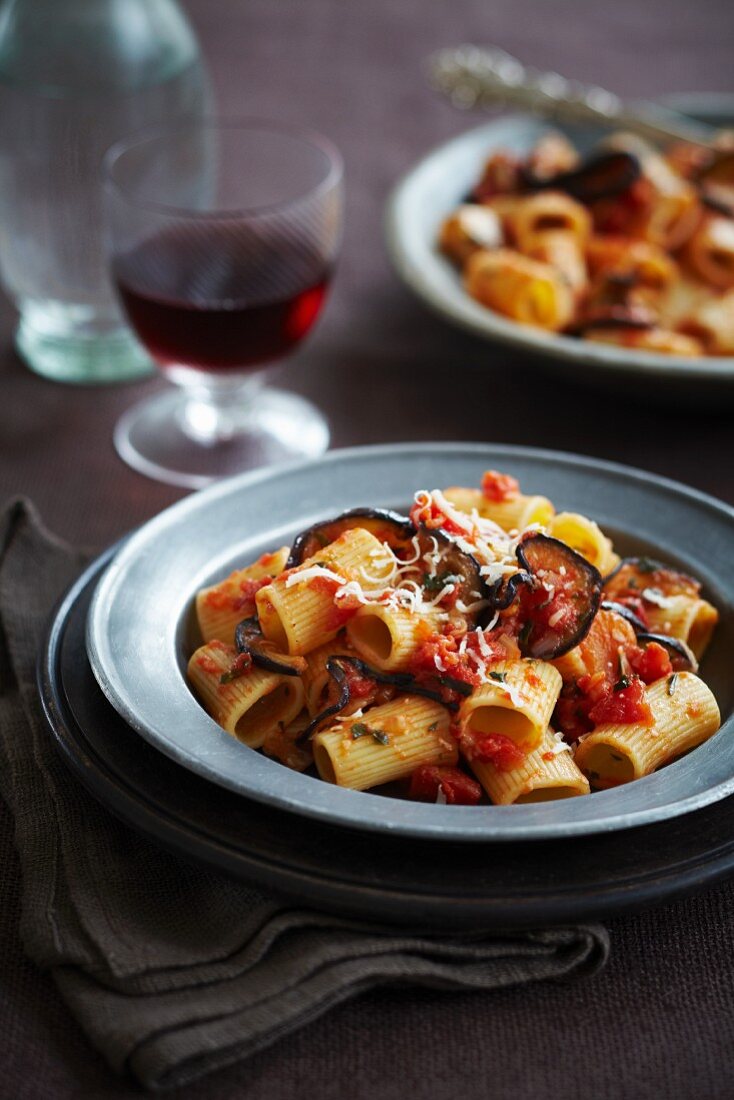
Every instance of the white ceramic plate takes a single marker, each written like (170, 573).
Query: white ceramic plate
(140, 623)
(439, 182)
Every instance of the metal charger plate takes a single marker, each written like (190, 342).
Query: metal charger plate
(453, 887)
(439, 183)
(140, 624)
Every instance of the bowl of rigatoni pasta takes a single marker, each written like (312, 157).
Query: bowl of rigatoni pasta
(596, 249)
(456, 641)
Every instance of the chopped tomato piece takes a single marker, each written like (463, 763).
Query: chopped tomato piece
(493, 748)
(499, 487)
(456, 787)
(651, 663)
(626, 704)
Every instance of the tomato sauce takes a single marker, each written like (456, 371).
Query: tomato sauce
(499, 487)
(457, 788)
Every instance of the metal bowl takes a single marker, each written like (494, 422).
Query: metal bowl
(139, 633)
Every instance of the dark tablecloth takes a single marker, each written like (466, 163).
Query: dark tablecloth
(659, 1021)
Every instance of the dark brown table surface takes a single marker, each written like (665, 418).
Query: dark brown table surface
(659, 1021)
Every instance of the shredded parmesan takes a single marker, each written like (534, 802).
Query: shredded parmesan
(303, 576)
(654, 595)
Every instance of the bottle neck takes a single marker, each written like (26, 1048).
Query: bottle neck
(93, 45)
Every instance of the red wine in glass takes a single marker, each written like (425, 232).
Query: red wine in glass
(213, 299)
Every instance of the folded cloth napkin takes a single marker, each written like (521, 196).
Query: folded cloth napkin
(173, 970)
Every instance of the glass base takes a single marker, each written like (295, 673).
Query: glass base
(70, 343)
(154, 437)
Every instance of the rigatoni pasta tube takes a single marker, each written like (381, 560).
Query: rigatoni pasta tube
(685, 713)
(586, 537)
(549, 212)
(315, 677)
(297, 611)
(517, 701)
(388, 743)
(563, 250)
(514, 514)
(543, 776)
(250, 705)
(685, 617)
(388, 637)
(710, 251)
(526, 290)
(220, 607)
(468, 229)
(712, 322)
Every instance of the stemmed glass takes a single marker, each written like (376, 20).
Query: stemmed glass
(223, 238)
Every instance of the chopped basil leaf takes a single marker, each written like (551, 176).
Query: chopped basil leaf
(498, 676)
(434, 582)
(672, 683)
(622, 683)
(632, 583)
(645, 565)
(359, 729)
(433, 726)
(524, 634)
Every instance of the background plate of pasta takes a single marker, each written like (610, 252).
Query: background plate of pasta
(594, 248)
(440, 640)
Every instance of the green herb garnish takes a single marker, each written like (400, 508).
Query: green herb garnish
(498, 676)
(645, 565)
(632, 583)
(434, 582)
(622, 683)
(360, 729)
(433, 726)
(672, 683)
(524, 635)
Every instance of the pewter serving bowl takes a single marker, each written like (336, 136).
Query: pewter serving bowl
(140, 630)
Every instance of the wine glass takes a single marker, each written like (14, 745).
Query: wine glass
(223, 238)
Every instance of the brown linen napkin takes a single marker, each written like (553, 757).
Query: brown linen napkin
(173, 970)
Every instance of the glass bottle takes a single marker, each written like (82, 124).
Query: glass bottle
(75, 76)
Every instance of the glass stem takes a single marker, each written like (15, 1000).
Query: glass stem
(216, 412)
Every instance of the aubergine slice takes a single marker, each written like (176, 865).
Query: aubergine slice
(600, 176)
(456, 567)
(675, 646)
(625, 613)
(636, 317)
(557, 622)
(387, 526)
(644, 572)
(248, 638)
(404, 681)
(504, 592)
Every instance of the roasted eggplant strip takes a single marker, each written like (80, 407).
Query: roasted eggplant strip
(600, 176)
(626, 613)
(457, 564)
(647, 572)
(387, 526)
(504, 592)
(404, 681)
(676, 646)
(575, 593)
(248, 638)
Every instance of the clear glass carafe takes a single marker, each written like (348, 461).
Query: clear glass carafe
(76, 76)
